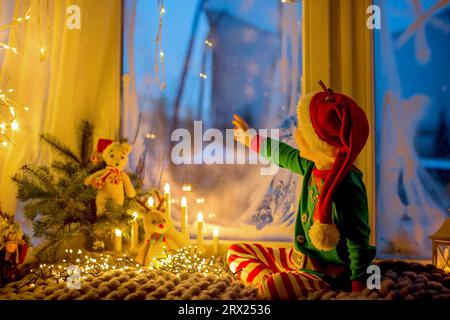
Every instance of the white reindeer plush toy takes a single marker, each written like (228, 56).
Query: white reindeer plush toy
(160, 233)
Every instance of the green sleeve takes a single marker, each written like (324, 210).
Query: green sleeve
(283, 155)
(354, 225)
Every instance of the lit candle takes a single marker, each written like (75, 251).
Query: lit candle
(200, 226)
(447, 267)
(216, 242)
(150, 202)
(134, 231)
(167, 199)
(184, 217)
(118, 241)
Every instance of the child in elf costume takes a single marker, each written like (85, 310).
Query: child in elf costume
(331, 246)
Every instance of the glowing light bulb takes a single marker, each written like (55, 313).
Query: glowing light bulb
(200, 216)
(118, 233)
(216, 232)
(187, 187)
(43, 53)
(167, 187)
(14, 125)
(135, 215)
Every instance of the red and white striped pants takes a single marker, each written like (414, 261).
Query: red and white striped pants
(272, 271)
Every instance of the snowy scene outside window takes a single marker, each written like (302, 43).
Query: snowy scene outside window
(214, 58)
(413, 125)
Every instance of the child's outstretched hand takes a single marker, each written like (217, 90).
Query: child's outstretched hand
(240, 131)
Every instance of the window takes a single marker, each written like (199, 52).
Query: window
(220, 57)
(413, 125)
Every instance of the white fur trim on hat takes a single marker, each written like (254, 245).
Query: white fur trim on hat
(306, 129)
(324, 236)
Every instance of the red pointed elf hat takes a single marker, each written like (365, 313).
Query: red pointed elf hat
(331, 123)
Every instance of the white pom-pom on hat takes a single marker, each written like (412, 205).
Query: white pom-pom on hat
(324, 236)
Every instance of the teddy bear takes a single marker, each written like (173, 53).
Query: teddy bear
(160, 234)
(112, 182)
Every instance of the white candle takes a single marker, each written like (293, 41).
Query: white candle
(184, 217)
(134, 231)
(200, 226)
(216, 242)
(447, 267)
(150, 202)
(118, 241)
(167, 200)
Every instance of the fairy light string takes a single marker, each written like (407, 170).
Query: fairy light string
(159, 53)
(8, 116)
(5, 27)
(186, 259)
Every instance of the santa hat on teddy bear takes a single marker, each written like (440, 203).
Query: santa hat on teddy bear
(102, 144)
(331, 123)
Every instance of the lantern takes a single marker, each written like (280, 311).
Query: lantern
(441, 246)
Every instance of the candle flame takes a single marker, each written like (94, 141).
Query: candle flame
(135, 215)
(118, 233)
(200, 216)
(216, 232)
(183, 202)
(150, 202)
(167, 187)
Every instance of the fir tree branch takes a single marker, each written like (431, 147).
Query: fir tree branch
(28, 190)
(40, 174)
(66, 168)
(85, 145)
(50, 247)
(60, 148)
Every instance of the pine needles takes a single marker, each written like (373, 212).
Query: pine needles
(59, 205)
